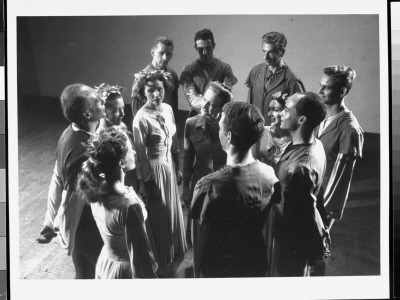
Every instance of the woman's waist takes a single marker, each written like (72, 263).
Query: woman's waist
(161, 153)
(115, 248)
(159, 159)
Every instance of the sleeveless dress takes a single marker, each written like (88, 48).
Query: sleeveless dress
(126, 252)
(155, 138)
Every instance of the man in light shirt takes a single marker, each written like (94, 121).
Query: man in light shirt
(342, 138)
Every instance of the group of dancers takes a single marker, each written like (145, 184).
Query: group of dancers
(263, 180)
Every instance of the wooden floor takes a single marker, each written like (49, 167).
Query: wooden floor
(356, 238)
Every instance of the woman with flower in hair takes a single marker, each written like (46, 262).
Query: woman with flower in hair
(157, 148)
(274, 140)
(115, 112)
(119, 213)
(269, 150)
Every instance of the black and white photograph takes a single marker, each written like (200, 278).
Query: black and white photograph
(212, 150)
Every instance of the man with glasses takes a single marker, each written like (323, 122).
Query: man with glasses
(273, 76)
(196, 76)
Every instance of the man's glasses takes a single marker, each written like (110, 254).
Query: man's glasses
(202, 49)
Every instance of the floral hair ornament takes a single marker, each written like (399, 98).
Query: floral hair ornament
(280, 96)
(225, 86)
(105, 90)
(144, 76)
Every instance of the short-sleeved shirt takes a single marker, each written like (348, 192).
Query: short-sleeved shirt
(195, 73)
(263, 84)
(202, 154)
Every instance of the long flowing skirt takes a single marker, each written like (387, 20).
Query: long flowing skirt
(108, 268)
(165, 213)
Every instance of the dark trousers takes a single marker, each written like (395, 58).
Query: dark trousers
(286, 263)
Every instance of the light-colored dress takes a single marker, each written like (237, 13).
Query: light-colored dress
(155, 138)
(126, 252)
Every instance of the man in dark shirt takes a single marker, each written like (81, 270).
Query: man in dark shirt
(196, 76)
(273, 76)
(299, 229)
(67, 214)
(230, 206)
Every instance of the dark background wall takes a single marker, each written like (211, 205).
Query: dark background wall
(56, 51)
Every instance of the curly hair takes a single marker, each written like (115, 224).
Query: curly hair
(222, 91)
(245, 122)
(280, 98)
(163, 40)
(109, 93)
(275, 38)
(152, 76)
(104, 153)
(342, 74)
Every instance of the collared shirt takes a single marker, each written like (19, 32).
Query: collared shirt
(202, 154)
(262, 84)
(271, 77)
